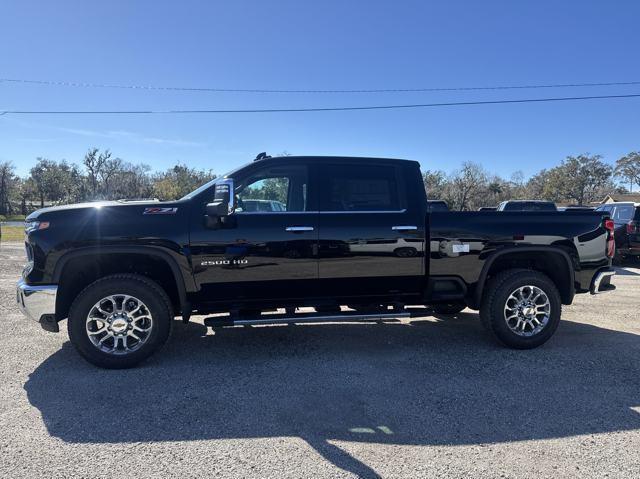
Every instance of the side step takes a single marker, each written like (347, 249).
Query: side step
(215, 322)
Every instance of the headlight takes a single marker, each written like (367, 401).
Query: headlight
(30, 226)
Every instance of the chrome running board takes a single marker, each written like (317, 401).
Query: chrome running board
(344, 316)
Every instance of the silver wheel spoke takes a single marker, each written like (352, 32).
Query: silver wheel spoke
(119, 331)
(98, 331)
(527, 310)
(135, 336)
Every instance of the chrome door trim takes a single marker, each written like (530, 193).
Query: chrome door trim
(299, 228)
(404, 228)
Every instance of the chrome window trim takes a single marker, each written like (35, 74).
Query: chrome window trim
(316, 212)
(276, 212)
(363, 211)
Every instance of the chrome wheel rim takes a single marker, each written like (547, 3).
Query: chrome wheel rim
(527, 311)
(119, 324)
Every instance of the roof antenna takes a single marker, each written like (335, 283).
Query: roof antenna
(262, 156)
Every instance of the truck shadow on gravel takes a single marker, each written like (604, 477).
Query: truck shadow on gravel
(431, 382)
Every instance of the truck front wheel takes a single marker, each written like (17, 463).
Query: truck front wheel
(521, 308)
(120, 320)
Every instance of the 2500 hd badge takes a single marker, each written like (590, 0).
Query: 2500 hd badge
(223, 262)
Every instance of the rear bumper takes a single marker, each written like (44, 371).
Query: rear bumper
(633, 250)
(38, 303)
(602, 281)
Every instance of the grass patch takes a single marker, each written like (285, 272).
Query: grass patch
(12, 233)
(12, 218)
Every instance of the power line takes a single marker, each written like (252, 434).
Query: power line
(299, 110)
(264, 90)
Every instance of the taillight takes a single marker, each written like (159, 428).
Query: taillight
(611, 243)
(633, 227)
(609, 225)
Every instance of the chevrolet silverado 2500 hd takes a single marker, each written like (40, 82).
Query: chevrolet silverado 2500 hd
(351, 232)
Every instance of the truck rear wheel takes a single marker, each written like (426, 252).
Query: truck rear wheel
(120, 320)
(521, 308)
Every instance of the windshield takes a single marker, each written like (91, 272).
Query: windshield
(202, 188)
(209, 184)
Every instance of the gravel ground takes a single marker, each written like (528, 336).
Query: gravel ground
(422, 398)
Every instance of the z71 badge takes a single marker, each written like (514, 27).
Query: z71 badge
(156, 210)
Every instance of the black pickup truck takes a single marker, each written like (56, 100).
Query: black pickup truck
(353, 240)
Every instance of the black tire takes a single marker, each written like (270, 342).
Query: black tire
(496, 293)
(150, 293)
(619, 259)
(405, 252)
(448, 308)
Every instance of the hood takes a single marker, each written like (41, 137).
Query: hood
(97, 205)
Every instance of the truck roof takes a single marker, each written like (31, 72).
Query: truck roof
(332, 158)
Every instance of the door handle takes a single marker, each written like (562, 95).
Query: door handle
(404, 228)
(299, 228)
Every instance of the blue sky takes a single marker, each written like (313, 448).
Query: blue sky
(320, 45)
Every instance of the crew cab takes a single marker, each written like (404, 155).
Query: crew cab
(354, 241)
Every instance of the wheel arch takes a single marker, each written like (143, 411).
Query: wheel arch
(554, 261)
(76, 269)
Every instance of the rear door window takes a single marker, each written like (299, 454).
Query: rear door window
(360, 188)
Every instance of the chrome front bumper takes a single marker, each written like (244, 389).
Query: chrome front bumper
(602, 282)
(37, 302)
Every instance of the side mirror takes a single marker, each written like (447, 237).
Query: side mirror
(224, 201)
(218, 208)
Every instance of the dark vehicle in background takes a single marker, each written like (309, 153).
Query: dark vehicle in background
(437, 205)
(488, 208)
(356, 232)
(578, 208)
(527, 205)
(626, 218)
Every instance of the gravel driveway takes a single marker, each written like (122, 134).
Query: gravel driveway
(432, 397)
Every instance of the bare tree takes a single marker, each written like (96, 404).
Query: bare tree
(465, 186)
(111, 167)
(94, 163)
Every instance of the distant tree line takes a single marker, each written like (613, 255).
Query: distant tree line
(101, 176)
(577, 180)
(581, 179)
